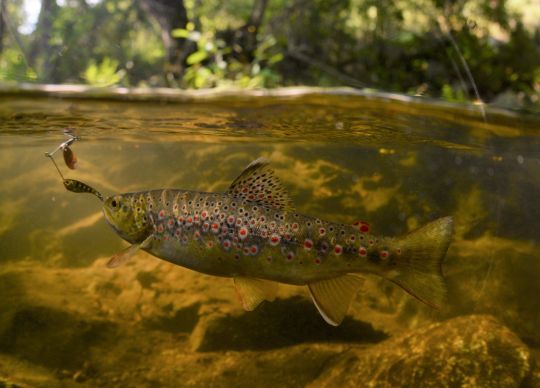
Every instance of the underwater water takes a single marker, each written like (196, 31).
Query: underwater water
(68, 320)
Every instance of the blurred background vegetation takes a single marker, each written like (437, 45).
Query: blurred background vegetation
(420, 47)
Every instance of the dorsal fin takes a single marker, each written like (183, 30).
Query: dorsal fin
(257, 183)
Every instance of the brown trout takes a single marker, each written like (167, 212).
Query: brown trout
(252, 233)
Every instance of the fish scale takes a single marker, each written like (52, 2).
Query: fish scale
(253, 234)
(184, 216)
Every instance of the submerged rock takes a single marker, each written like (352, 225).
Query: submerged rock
(466, 351)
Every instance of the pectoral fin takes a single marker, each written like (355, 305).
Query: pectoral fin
(332, 297)
(253, 291)
(126, 254)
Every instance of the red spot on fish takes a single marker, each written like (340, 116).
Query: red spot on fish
(398, 251)
(171, 223)
(161, 214)
(177, 232)
(205, 226)
(362, 226)
(239, 222)
(196, 219)
(160, 228)
(251, 197)
(338, 250)
(362, 251)
(308, 244)
(242, 233)
(215, 227)
(322, 231)
(254, 249)
(230, 220)
(197, 235)
(383, 254)
(226, 244)
(246, 251)
(317, 261)
(204, 214)
(295, 226)
(274, 239)
(181, 219)
(210, 244)
(287, 236)
(290, 255)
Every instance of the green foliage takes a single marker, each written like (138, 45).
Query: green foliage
(104, 74)
(211, 64)
(401, 46)
(451, 94)
(13, 67)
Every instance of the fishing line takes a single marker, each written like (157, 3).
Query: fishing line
(469, 74)
(55, 165)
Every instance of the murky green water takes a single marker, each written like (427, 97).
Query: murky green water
(67, 319)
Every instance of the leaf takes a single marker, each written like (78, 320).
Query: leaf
(197, 57)
(180, 33)
(275, 58)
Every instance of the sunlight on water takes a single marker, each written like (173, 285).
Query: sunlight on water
(341, 158)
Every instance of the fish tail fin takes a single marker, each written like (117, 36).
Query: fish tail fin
(419, 264)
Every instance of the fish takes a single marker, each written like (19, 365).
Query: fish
(253, 234)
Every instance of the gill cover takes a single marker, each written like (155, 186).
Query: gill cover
(119, 213)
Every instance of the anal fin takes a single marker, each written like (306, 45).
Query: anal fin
(332, 297)
(253, 291)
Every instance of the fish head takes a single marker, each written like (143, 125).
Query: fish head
(121, 215)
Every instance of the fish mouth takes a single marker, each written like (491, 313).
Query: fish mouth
(110, 220)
